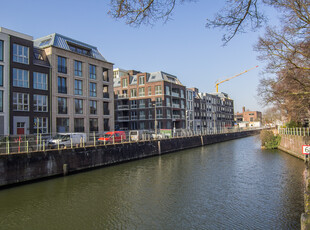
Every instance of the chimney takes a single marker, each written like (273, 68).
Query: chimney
(243, 109)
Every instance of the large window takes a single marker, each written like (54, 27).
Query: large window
(141, 80)
(62, 85)
(149, 90)
(92, 71)
(39, 81)
(40, 103)
(157, 89)
(93, 107)
(78, 124)
(106, 108)
(20, 54)
(141, 92)
(124, 81)
(1, 100)
(62, 64)
(78, 106)
(20, 78)
(20, 101)
(62, 125)
(1, 50)
(93, 125)
(1, 75)
(133, 92)
(78, 87)
(78, 68)
(62, 105)
(40, 125)
(92, 89)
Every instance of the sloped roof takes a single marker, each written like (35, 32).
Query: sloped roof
(62, 42)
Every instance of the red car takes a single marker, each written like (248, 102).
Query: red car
(118, 137)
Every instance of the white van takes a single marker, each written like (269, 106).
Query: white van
(136, 135)
(66, 139)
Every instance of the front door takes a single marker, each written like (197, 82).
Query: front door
(20, 128)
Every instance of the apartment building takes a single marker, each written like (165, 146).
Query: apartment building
(81, 85)
(143, 99)
(212, 111)
(190, 109)
(25, 76)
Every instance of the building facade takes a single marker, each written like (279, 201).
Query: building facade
(249, 118)
(81, 85)
(25, 77)
(149, 101)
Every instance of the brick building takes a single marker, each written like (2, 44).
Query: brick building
(248, 116)
(141, 96)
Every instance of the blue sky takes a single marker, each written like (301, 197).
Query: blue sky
(182, 47)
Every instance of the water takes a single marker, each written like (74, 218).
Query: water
(231, 185)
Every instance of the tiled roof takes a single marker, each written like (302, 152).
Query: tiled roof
(61, 41)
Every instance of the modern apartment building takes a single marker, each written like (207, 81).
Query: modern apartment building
(143, 99)
(212, 111)
(190, 95)
(81, 85)
(25, 76)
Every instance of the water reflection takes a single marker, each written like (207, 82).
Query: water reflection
(231, 185)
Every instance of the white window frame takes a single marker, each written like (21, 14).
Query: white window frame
(20, 106)
(158, 90)
(141, 92)
(20, 56)
(39, 103)
(40, 81)
(43, 126)
(20, 78)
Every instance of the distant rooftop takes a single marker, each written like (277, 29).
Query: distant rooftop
(67, 43)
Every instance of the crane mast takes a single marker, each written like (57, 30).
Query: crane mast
(220, 82)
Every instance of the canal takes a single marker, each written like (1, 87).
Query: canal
(230, 185)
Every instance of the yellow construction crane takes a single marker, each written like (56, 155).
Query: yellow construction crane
(220, 82)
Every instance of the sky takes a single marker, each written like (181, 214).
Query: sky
(182, 47)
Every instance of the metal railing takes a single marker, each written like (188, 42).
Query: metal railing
(42, 142)
(294, 131)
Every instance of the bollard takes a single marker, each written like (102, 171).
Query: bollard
(40, 140)
(65, 169)
(43, 146)
(71, 143)
(8, 145)
(27, 146)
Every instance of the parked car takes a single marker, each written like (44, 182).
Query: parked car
(136, 135)
(66, 139)
(114, 136)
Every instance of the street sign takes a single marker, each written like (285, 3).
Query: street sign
(306, 149)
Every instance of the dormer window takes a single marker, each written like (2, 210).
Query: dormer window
(79, 49)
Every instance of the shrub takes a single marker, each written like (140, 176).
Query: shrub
(269, 140)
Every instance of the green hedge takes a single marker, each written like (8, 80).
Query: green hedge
(269, 140)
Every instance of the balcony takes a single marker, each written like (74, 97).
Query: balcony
(142, 117)
(175, 106)
(134, 117)
(159, 116)
(176, 116)
(175, 94)
(123, 118)
(106, 95)
(122, 96)
(134, 106)
(123, 107)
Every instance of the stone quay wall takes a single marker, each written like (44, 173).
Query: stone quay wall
(292, 144)
(27, 167)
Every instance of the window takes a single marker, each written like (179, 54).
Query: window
(20, 101)
(62, 105)
(141, 80)
(106, 108)
(20, 54)
(78, 49)
(133, 92)
(93, 107)
(149, 90)
(78, 87)
(78, 106)
(1, 100)
(133, 104)
(168, 104)
(167, 90)
(105, 91)
(141, 92)
(92, 71)
(141, 104)
(62, 124)
(40, 125)
(1, 75)
(39, 81)
(157, 89)
(182, 93)
(62, 64)
(124, 81)
(40, 103)
(105, 74)
(78, 124)
(93, 125)
(20, 78)
(78, 68)
(92, 89)
(62, 85)
(159, 101)
(106, 124)
(1, 50)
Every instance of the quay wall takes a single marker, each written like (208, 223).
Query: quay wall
(292, 144)
(26, 167)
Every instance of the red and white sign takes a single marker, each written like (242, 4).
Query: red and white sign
(306, 149)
